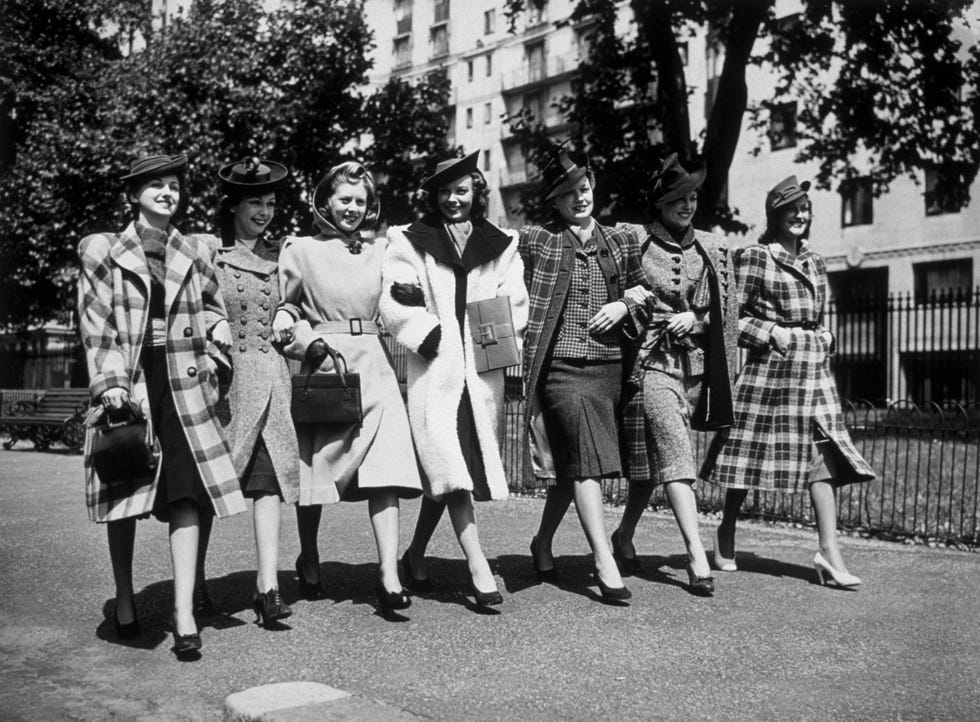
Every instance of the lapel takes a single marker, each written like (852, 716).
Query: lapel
(794, 266)
(180, 259)
(261, 260)
(606, 248)
(485, 243)
(128, 254)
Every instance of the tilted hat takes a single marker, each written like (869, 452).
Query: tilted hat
(321, 194)
(450, 170)
(672, 181)
(785, 192)
(155, 165)
(252, 174)
(564, 172)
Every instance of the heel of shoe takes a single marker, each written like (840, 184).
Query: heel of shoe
(612, 594)
(486, 599)
(701, 586)
(722, 564)
(391, 602)
(269, 607)
(844, 580)
(186, 646)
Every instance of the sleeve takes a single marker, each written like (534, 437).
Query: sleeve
(527, 255)
(291, 296)
(512, 283)
(750, 273)
(633, 323)
(410, 325)
(100, 338)
(214, 305)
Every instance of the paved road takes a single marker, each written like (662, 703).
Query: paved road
(771, 644)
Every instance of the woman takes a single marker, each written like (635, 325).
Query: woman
(255, 411)
(435, 267)
(789, 430)
(573, 365)
(148, 303)
(331, 284)
(687, 327)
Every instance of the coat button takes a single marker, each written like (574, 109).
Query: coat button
(188, 332)
(264, 276)
(238, 274)
(244, 305)
(264, 335)
(244, 320)
(266, 291)
(604, 252)
(242, 334)
(265, 306)
(263, 321)
(264, 349)
(676, 281)
(191, 371)
(614, 278)
(241, 287)
(243, 348)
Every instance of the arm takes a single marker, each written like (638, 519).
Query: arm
(513, 283)
(409, 324)
(289, 320)
(750, 269)
(215, 316)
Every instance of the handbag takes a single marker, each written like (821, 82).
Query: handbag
(492, 330)
(330, 398)
(123, 447)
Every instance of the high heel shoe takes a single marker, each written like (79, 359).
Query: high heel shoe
(701, 586)
(485, 599)
(203, 605)
(129, 630)
(185, 645)
(612, 594)
(627, 565)
(411, 581)
(722, 564)
(389, 602)
(841, 579)
(308, 590)
(545, 575)
(269, 607)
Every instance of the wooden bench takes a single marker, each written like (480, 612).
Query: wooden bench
(59, 415)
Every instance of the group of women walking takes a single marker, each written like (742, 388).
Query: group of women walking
(629, 338)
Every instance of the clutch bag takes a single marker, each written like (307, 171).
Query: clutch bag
(492, 331)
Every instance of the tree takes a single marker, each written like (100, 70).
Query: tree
(883, 84)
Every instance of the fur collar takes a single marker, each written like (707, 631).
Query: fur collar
(485, 243)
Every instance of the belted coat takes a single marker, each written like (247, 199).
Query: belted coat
(113, 311)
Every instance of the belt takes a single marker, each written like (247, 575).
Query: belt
(352, 326)
(805, 325)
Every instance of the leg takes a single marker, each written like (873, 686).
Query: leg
(383, 508)
(265, 522)
(823, 495)
(308, 527)
(460, 505)
(184, 535)
(122, 540)
(588, 503)
(205, 523)
(556, 505)
(734, 498)
(430, 512)
(637, 499)
(685, 506)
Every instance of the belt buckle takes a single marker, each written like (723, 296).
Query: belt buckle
(487, 336)
(356, 327)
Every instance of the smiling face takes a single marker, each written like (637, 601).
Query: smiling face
(677, 215)
(792, 220)
(253, 214)
(347, 206)
(575, 206)
(455, 199)
(157, 200)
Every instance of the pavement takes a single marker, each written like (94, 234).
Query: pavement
(770, 644)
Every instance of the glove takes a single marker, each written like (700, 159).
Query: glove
(316, 353)
(407, 294)
(430, 346)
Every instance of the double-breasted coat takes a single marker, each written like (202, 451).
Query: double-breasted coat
(256, 404)
(548, 255)
(782, 401)
(113, 310)
(423, 255)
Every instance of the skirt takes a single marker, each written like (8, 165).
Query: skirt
(580, 403)
(179, 479)
(260, 478)
(469, 444)
(667, 405)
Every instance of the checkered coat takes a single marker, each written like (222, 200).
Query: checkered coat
(781, 400)
(113, 310)
(548, 256)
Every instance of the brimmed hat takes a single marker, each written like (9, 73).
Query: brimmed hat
(155, 165)
(450, 170)
(254, 175)
(322, 192)
(672, 181)
(785, 192)
(563, 173)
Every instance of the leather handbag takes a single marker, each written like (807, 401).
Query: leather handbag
(123, 447)
(330, 398)
(492, 329)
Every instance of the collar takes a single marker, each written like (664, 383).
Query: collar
(658, 231)
(485, 243)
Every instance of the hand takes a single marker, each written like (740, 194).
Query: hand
(638, 295)
(780, 339)
(680, 324)
(608, 317)
(221, 335)
(115, 398)
(408, 294)
(316, 353)
(282, 327)
(430, 345)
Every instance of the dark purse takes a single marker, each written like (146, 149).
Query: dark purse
(123, 448)
(331, 398)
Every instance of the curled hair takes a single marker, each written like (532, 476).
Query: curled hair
(353, 173)
(231, 197)
(555, 214)
(769, 235)
(133, 186)
(481, 196)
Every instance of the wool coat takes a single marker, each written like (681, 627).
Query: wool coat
(256, 404)
(782, 401)
(548, 256)
(113, 310)
(423, 255)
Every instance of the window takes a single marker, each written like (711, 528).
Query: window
(469, 117)
(489, 64)
(943, 193)
(451, 126)
(537, 12)
(439, 38)
(469, 71)
(487, 113)
(534, 57)
(534, 103)
(583, 43)
(489, 22)
(857, 202)
(486, 160)
(403, 51)
(441, 8)
(403, 16)
(782, 125)
(940, 281)
(682, 51)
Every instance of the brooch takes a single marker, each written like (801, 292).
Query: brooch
(354, 247)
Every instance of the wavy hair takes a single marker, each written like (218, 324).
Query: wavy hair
(353, 173)
(481, 196)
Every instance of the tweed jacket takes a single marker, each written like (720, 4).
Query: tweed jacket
(782, 400)
(420, 254)
(113, 310)
(257, 401)
(548, 255)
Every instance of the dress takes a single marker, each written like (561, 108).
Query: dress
(331, 291)
(254, 411)
(439, 390)
(782, 402)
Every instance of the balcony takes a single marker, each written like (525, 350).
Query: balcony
(517, 178)
(553, 69)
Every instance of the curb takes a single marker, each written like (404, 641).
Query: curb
(305, 702)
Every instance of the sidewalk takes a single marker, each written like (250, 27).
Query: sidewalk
(770, 644)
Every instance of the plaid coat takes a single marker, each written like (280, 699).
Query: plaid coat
(548, 256)
(113, 310)
(782, 400)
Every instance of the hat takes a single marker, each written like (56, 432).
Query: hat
(450, 170)
(252, 174)
(356, 173)
(155, 165)
(785, 192)
(564, 172)
(672, 181)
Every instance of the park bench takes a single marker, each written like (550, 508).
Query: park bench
(59, 415)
